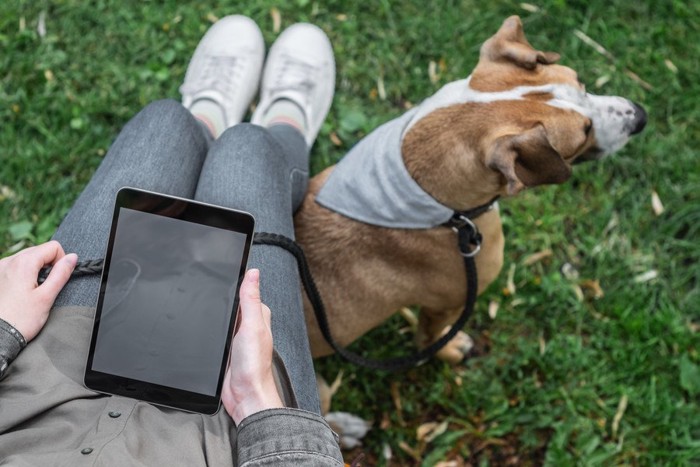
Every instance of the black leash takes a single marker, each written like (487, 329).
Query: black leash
(468, 241)
(83, 268)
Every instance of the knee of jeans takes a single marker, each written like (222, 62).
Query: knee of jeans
(162, 107)
(165, 114)
(251, 145)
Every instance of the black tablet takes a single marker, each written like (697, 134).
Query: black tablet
(168, 300)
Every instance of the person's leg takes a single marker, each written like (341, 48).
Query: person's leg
(265, 172)
(161, 149)
(248, 168)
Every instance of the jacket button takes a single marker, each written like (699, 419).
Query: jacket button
(115, 414)
(86, 451)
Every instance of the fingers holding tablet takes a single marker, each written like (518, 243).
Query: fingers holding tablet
(24, 304)
(249, 386)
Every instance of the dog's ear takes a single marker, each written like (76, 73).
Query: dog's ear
(527, 159)
(509, 45)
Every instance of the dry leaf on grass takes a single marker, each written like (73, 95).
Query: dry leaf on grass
(490, 442)
(410, 451)
(380, 88)
(530, 7)
(493, 309)
(635, 77)
(7, 193)
(335, 139)
(276, 19)
(537, 257)
(647, 276)
(212, 18)
(386, 421)
(656, 204)
(510, 284)
(431, 430)
(337, 382)
(387, 453)
(432, 72)
(621, 407)
(569, 271)
(41, 25)
(613, 223)
(593, 287)
(601, 81)
(424, 429)
(670, 65)
(410, 318)
(327, 392)
(593, 44)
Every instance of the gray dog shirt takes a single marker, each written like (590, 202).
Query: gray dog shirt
(371, 184)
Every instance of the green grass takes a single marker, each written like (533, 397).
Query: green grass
(551, 369)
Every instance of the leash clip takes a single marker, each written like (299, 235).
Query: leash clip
(468, 234)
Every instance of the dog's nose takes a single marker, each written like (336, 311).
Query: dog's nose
(640, 118)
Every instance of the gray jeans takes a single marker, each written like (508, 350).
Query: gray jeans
(262, 171)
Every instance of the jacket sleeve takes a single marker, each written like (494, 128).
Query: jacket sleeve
(11, 343)
(287, 437)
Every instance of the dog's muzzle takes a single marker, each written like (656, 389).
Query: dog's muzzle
(640, 118)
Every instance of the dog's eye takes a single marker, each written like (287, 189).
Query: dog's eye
(588, 127)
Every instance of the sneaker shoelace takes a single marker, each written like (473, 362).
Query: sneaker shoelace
(294, 75)
(218, 73)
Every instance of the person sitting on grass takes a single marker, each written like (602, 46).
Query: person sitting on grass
(198, 150)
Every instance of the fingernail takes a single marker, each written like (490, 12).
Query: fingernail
(254, 275)
(71, 259)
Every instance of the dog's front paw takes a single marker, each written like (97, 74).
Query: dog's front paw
(456, 349)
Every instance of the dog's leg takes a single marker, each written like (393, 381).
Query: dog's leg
(433, 324)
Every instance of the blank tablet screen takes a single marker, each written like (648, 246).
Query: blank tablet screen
(168, 301)
(168, 298)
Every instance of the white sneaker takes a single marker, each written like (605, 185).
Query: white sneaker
(300, 67)
(226, 66)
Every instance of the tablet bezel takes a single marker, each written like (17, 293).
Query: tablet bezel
(186, 210)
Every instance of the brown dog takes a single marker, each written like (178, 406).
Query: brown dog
(518, 121)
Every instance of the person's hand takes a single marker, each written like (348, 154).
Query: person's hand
(249, 386)
(23, 303)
